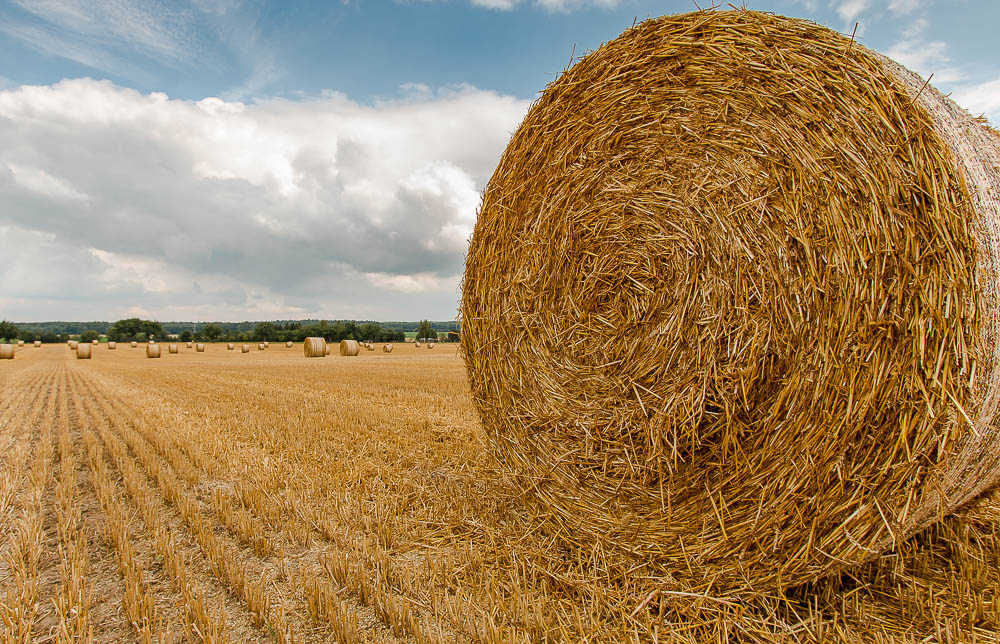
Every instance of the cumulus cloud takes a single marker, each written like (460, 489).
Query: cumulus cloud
(848, 10)
(554, 6)
(220, 209)
(983, 98)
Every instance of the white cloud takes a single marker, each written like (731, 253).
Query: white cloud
(552, 6)
(926, 58)
(221, 209)
(904, 6)
(983, 98)
(848, 10)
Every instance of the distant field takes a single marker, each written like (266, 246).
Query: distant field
(223, 496)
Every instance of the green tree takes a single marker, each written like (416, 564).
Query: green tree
(8, 330)
(426, 330)
(212, 331)
(187, 336)
(134, 329)
(265, 331)
(89, 336)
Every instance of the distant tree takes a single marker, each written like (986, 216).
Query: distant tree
(89, 336)
(8, 330)
(186, 336)
(212, 331)
(135, 329)
(426, 330)
(265, 331)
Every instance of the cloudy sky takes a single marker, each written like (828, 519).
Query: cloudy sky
(250, 160)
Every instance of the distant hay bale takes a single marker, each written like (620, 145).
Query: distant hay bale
(172, 348)
(72, 345)
(152, 351)
(730, 311)
(230, 346)
(7, 351)
(134, 344)
(20, 343)
(190, 345)
(245, 348)
(387, 348)
(329, 349)
(38, 343)
(288, 344)
(112, 346)
(430, 345)
(200, 347)
(315, 347)
(370, 346)
(95, 342)
(84, 351)
(349, 347)
(266, 344)
(417, 344)
(261, 346)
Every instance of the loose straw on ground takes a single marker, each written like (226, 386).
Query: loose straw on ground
(730, 310)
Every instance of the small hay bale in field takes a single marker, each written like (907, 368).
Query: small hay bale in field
(349, 347)
(387, 348)
(315, 348)
(329, 349)
(112, 346)
(370, 346)
(261, 346)
(133, 344)
(190, 345)
(430, 345)
(7, 351)
(95, 342)
(152, 351)
(38, 343)
(288, 344)
(266, 344)
(20, 343)
(730, 308)
(200, 347)
(230, 346)
(72, 345)
(245, 348)
(172, 348)
(84, 351)
(417, 344)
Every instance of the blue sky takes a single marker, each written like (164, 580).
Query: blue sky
(220, 159)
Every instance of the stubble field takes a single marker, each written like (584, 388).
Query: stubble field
(229, 497)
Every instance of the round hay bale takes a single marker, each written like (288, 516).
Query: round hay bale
(230, 346)
(730, 308)
(73, 344)
(152, 351)
(84, 351)
(349, 347)
(7, 351)
(315, 347)
(261, 346)
(38, 343)
(430, 345)
(95, 342)
(329, 349)
(190, 345)
(288, 344)
(245, 348)
(172, 348)
(20, 343)
(133, 344)
(200, 347)
(417, 344)
(387, 348)
(112, 346)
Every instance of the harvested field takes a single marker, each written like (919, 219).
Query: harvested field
(358, 501)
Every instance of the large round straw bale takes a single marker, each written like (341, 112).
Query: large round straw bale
(200, 347)
(349, 347)
(315, 347)
(386, 348)
(7, 351)
(133, 344)
(730, 308)
(172, 348)
(288, 344)
(230, 346)
(38, 343)
(245, 348)
(152, 351)
(112, 346)
(84, 350)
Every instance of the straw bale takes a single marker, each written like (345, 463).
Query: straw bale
(387, 348)
(288, 344)
(245, 348)
(730, 309)
(200, 347)
(7, 351)
(73, 344)
(417, 344)
(134, 344)
(329, 349)
(430, 345)
(38, 343)
(84, 351)
(95, 342)
(261, 346)
(20, 343)
(152, 351)
(230, 346)
(315, 348)
(112, 346)
(349, 347)
(190, 344)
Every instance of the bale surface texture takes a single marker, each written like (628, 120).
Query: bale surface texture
(84, 350)
(6, 351)
(314, 347)
(152, 351)
(730, 307)
(349, 347)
